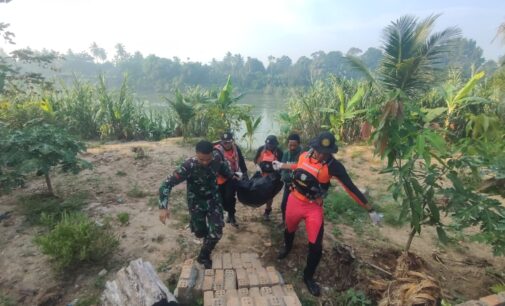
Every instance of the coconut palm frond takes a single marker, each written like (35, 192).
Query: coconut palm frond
(357, 64)
(412, 54)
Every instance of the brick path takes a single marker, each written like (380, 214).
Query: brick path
(236, 279)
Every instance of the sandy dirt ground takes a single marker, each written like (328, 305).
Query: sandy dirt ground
(465, 270)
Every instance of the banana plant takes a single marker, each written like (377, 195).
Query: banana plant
(456, 99)
(346, 111)
(251, 125)
(185, 111)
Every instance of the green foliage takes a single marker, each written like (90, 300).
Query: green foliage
(77, 106)
(306, 113)
(469, 208)
(457, 97)
(17, 81)
(43, 209)
(39, 148)
(77, 240)
(353, 297)
(121, 173)
(497, 288)
(420, 159)
(123, 218)
(5, 300)
(406, 72)
(152, 202)
(185, 111)
(208, 113)
(392, 214)
(251, 125)
(136, 192)
(445, 303)
(347, 103)
(93, 110)
(88, 301)
(100, 282)
(222, 111)
(341, 207)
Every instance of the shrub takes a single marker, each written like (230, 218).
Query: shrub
(44, 209)
(76, 240)
(123, 218)
(342, 208)
(136, 192)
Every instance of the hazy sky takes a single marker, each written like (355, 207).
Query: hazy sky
(206, 29)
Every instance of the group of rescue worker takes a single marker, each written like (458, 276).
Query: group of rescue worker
(213, 172)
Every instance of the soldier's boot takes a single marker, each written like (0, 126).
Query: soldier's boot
(313, 258)
(288, 244)
(204, 256)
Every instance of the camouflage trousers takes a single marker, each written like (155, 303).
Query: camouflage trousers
(206, 217)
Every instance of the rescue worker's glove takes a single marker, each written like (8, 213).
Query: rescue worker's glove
(376, 217)
(277, 165)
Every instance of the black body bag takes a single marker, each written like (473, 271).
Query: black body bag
(259, 189)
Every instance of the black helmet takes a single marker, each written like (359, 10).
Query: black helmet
(271, 140)
(324, 143)
(227, 136)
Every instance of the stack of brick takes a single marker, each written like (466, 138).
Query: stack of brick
(235, 279)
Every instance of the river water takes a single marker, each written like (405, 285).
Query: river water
(267, 106)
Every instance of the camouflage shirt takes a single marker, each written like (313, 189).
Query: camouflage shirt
(201, 181)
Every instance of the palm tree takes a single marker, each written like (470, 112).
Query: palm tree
(410, 67)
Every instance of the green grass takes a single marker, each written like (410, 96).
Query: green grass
(136, 192)
(351, 297)
(340, 208)
(121, 173)
(392, 214)
(356, 154)
(42, 209)
(337, 232)
(152, 202)
(166, 265)
(100, 282)
(6, 300)
(177, 162)
(123, 218)
(88, 301)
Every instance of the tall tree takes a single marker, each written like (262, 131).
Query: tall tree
(98, 53)
(121, 53)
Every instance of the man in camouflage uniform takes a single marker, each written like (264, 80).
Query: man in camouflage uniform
(204, 202)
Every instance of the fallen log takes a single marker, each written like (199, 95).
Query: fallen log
(137, 284)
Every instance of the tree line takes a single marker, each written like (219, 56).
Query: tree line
(154, 74)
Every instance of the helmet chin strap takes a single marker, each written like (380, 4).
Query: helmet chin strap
(311, 155)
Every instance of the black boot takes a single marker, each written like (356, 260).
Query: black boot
(233, 221)
(228, 218)
(288, 244)
(312, 286)
(204, 256)
(313, 258)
